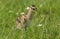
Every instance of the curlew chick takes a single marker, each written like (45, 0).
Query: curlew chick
(23, 20)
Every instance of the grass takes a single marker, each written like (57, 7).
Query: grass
(48, 15)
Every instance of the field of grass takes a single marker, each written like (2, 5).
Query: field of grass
(48, 14)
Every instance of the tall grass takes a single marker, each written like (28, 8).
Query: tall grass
(48, 14)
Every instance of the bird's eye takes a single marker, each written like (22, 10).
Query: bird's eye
(33, 9)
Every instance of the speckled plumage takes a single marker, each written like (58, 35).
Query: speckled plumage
(22, 21)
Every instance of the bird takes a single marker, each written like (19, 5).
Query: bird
(23, 20)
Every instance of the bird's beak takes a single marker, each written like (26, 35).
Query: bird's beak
(36, 9)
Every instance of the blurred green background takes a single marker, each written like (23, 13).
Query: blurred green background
(48, 15)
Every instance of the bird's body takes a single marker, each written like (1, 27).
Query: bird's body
(23, 20)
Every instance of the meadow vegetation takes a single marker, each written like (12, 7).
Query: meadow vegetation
(48, 15)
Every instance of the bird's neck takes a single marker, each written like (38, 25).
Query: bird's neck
(30, 14)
